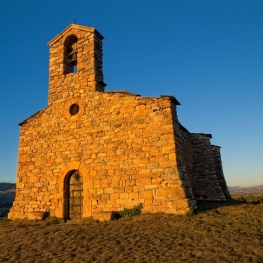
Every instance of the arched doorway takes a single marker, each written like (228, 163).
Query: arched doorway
(74, 195)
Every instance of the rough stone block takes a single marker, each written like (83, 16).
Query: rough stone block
(104, 216)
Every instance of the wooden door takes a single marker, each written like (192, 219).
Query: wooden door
(75, 196)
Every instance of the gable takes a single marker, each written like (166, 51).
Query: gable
(73, 29)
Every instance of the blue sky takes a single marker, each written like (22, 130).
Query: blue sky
(207, 53)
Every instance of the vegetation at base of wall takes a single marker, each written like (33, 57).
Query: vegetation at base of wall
(249, 198)
(226, 232)
(190, 213)
(136, 210)
(53, 220)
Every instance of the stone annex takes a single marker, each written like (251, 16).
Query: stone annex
(91, 152)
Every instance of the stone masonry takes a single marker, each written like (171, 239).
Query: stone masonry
(121, 148)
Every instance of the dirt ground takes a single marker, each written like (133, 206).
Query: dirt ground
(219, 232)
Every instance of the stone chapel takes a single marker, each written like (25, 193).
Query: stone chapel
(91, 152)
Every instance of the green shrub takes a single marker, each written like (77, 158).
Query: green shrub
(190, 213)
(136, 210)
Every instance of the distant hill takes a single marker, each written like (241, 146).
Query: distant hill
(246, 190)
(7, 192)
(7, 197)
(6, 186)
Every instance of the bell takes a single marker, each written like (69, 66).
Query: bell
(74, 59)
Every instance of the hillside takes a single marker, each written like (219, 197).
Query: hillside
(7, 192)
(246, 190)
(220, 232)
(7, 196)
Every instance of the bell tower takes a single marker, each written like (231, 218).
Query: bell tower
(75, 63)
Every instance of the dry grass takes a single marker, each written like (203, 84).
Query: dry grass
(219, 232)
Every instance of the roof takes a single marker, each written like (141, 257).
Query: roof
(72, 27)
(25, 120)
(216, 146)
(204, 134)
(173, 99)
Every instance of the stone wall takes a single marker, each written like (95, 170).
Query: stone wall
(219, 170)
(122, 144)
(200, 164)
(183, 155)
(205, 182)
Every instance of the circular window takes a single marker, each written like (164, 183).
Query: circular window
(74, 109)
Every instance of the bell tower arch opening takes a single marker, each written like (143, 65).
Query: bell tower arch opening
(70, 60)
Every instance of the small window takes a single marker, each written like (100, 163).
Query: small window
(74, 109)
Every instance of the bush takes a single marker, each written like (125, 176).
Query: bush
(136, 210)
(190, 213)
